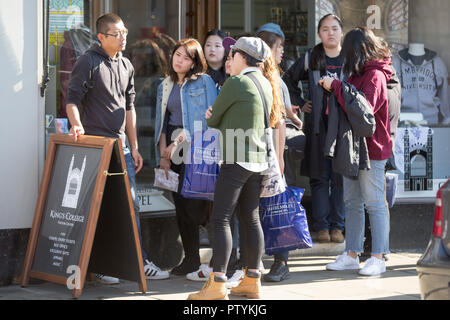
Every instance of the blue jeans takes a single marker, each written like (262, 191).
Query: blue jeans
(132, 179)
(368, 190)
(327, 200)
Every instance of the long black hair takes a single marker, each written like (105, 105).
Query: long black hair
(360, 46)
(318, 57)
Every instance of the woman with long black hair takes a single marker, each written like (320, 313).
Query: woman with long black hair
(326, 186)
(367, 68)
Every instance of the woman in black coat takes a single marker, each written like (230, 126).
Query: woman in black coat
(323, 60)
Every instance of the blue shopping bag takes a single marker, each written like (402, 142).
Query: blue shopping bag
(391, 188)
(284, 222)
(200, 175)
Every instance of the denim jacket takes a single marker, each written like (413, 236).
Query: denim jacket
(197, 94)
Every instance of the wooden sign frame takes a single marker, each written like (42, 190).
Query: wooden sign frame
(111, 149)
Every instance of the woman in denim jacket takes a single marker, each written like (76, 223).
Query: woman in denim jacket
(182, 100)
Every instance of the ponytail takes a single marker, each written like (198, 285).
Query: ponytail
(270, 70)
(318, 59)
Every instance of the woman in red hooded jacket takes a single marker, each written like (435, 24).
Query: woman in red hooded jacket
(366, 64)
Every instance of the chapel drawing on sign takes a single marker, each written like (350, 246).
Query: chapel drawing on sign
(73, 184)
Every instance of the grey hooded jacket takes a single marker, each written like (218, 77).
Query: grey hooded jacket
(424, 87)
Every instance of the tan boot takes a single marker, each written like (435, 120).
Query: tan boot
(323, 236)
(337, 236)
(212, 290)
(249, 287)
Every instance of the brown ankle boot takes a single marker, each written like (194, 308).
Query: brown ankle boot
(323, 236)
(337, 236)
(249, 287)
(212, 290)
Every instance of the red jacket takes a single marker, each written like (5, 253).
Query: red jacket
(373, 83)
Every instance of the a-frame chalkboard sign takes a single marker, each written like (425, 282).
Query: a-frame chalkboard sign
(84, 220)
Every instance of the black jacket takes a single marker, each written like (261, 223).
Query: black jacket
(314, 126)
(345, 141)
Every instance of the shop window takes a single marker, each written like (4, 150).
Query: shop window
(153, 30)
(233, 16)
(69, 37)
(292, 17)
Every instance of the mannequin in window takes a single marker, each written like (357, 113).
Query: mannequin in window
(417, 53)
(424, 83)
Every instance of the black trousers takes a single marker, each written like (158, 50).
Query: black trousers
(191, 213)
(237, 187)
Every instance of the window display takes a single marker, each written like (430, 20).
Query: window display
(154, 25)
(423, 75)
(387, 18)
(421, 150)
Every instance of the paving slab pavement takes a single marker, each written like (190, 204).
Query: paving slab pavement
(309, 281)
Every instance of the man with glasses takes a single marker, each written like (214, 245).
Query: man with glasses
(100, 102)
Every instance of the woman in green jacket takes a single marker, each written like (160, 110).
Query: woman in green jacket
(239, 115)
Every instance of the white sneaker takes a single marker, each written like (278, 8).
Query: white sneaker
(202, 274)
(373, 267)
(106, 279)
(234, 281)
(344, 262)
(152, 272)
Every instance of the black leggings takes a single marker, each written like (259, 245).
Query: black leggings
(191, 213)
(237, 186)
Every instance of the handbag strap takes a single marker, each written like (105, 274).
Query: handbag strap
(263, 98)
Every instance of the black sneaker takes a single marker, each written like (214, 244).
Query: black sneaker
(184, 268)
(364, 256)
(278, 272)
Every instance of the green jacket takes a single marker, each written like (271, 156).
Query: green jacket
(239, 115)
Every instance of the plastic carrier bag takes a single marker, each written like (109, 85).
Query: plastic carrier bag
(284, 222)
(200, 175)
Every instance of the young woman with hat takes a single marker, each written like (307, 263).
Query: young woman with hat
(239, 115)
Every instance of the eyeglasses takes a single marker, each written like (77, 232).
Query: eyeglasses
(117, 35)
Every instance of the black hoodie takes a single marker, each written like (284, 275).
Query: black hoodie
(103, 89)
